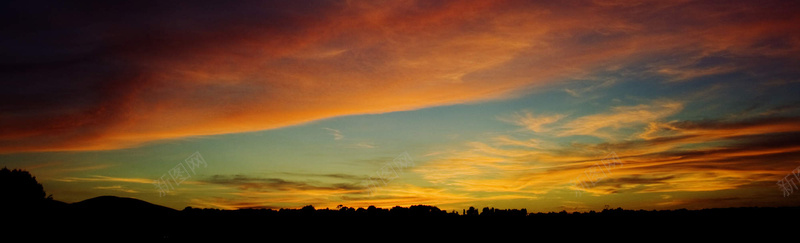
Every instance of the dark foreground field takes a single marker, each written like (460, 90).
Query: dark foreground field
(113, 218)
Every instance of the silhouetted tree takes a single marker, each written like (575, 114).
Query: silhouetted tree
(19, 188)
(399, 211)
(308, 210)
(486, 211)
(372, 210)
(472, 211)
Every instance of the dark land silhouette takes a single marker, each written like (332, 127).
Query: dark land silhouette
(30, 214)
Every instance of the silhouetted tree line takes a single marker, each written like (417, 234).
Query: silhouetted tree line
(310, 211)
(433, 211)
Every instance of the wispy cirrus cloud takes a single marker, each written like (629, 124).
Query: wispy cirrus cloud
(364, 145)
(620, 116)
(337, 135)
(533, 122)
(660, 155)
(116, 188)
(98, 178)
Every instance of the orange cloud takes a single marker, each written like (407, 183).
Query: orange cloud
(621, 116)
(249, 67)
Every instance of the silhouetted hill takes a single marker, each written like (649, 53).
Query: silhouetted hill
(103, 217)
(54, 204)
(120, 205)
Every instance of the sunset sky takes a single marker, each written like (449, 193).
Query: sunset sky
(499, 103)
